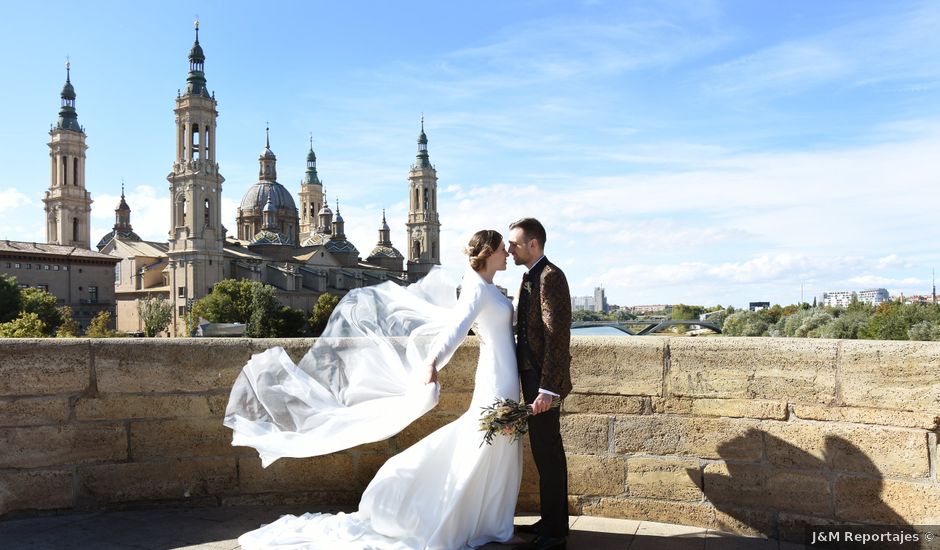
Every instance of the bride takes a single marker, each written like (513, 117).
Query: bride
(445, 492)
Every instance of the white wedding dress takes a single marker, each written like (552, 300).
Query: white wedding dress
(446, 492)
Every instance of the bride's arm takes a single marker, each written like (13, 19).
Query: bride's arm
(466, 312)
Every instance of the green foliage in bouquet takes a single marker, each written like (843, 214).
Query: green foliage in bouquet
(507, 417)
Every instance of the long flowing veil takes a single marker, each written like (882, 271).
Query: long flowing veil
(362, 381)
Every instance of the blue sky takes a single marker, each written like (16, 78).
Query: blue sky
(697, 152)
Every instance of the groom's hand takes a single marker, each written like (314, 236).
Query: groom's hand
(432, 374)
(542, 403)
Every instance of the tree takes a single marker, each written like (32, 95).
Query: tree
(924, 330)
(321, 312)
(682, 312)
(43, 304)
(98, 328)
(744, 323)
(264, 308)
(156, 313)
(26, 325)
(289, 323)
(10, 299)
(240, 301)
(69, 326)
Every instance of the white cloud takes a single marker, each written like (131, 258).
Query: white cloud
(11, 199)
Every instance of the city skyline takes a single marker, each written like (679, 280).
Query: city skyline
(682, 152)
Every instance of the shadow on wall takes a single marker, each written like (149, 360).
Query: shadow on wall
(797, 488)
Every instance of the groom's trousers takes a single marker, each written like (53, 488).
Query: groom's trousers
(549, 454)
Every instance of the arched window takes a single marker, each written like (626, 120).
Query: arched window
(74, 229)
(208, 145)
(195, 142)
(180, 210)
(427, 203)
(206, 213)
(433, 250)
(417, 199)
(65, 170)
(75, 171)
(416, 251)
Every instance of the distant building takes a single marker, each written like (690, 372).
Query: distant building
(650, 308)
(600, 300)
(77, 277)
(757, 306)
(874, 296)
(597, 303)
(842, 298)
(582, 303)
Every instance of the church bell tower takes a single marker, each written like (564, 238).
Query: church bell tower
(67, 202)
(423, 226)
(196, 234)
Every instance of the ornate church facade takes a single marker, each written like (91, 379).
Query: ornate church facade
(303, 252)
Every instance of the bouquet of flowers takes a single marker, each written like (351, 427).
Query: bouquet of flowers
(507, 417)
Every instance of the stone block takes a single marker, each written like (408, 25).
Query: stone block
(162, 439)
(585, 433)
(891, 375)
(34, 411)
(866, 415)
(458, 375)
(714, 438)
(329, 472)
(179, 479)
(527, 503)
(663, 511)
(44, 366)
(765, 487)
(664, 478)
(144, 365)
(848, 448)
(887, 501)
(126, 407)
(792, 527)
(35, 490)
(303, 500)
(779, 369)
(603, 404)
(623, 366)
(420, 428)
(530, 473)
(595, 475)
(39, 446)
(745, 521)
(672, 405)
(454, 402)
(217, 404)
(365, 467)
(740, 408)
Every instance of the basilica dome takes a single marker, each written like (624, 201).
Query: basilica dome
(258, 195)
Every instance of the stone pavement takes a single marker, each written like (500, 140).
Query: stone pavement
(218, 529)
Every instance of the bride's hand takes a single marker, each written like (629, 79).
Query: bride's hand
(432, 374)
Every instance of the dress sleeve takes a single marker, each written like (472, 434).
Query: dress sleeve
(466, 312)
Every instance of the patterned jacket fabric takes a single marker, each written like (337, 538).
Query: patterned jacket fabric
(543, 326)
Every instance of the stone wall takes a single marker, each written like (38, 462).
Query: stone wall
(756, 436)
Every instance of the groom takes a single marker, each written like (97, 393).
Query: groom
(543, 334)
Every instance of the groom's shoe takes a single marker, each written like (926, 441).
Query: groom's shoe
(543, 542)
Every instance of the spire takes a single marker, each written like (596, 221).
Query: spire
(267, 170)
(68, 118)
(385, 238)
(122, 214)
(422, 158)
(311, 177)
(196, 81)
(339, 226)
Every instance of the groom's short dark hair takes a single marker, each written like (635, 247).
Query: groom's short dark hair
(531, 228)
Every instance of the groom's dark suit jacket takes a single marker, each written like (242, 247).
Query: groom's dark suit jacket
(543, 326)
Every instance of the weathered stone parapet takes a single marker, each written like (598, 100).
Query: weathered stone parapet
(751, 435)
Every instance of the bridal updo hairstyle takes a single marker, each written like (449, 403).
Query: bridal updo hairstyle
(482, 245)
